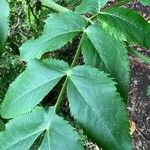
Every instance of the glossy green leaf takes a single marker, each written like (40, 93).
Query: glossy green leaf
(4, 23)
(21, 132)
(59, 29)
(129, 23)
(114, 55)
(90, 6)
(32, 86)
(145, 2)
(97, 106)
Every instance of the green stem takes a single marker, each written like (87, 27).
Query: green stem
(30, 7)
(61, 95)
(54, 6)
(146, 59)
(63, 90)
(94, 16)
(29, 19)
(78, 52)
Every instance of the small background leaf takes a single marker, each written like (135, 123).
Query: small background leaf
(4, 23)
(132, 127)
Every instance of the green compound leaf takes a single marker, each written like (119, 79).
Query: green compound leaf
(32, 86)
(90, 6)
(113, 53)
(59, 29)
(129, 23)
(4, 23)
(96, 105)
(21, 132)
(145, 2)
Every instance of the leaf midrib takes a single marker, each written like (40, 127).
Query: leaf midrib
(53, 113)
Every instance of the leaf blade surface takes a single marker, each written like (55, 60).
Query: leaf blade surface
(22, 131)
(113, 54)
(95, 104)
(90, 6)
(135, 29)
(58, 30)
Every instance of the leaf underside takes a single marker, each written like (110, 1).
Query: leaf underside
(95, 104)
(32, 86)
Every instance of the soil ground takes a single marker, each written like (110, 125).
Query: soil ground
(139, 102)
